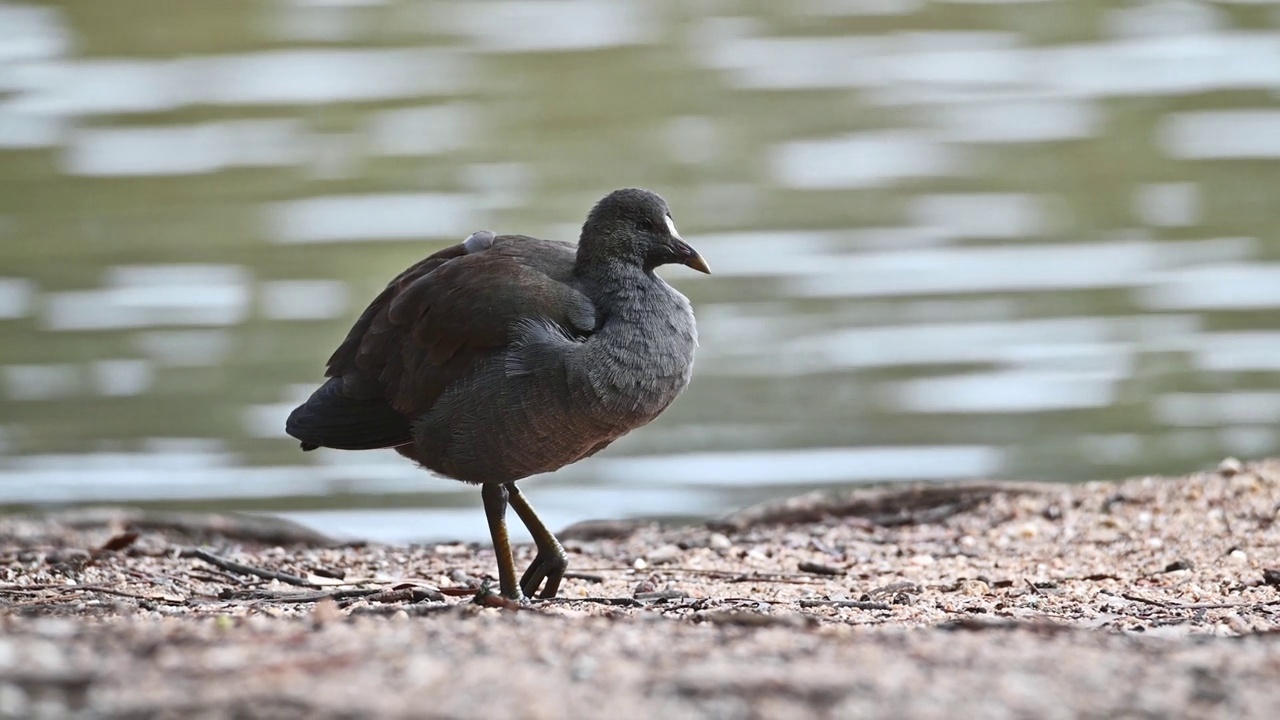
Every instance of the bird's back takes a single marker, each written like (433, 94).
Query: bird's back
(431, 328)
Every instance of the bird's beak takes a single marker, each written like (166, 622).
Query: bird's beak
(696, 262)
(688, 255)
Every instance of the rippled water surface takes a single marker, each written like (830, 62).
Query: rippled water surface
(950, 239)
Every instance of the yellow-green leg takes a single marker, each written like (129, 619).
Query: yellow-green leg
(495, 510)
(551, 562)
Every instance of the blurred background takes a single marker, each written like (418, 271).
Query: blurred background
(951, 239)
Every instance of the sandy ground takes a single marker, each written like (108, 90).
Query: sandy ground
(1144, 598)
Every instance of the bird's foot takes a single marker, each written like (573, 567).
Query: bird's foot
(549, 565)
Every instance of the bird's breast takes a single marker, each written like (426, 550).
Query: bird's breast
(637, 365)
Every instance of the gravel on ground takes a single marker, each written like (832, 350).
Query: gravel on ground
(1151, 597)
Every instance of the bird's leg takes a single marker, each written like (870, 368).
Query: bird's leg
(551, 560)
(495, 509)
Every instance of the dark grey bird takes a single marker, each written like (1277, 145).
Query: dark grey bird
(506, 356)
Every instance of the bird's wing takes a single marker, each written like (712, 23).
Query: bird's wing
(429, 328)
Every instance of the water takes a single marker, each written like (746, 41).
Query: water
(950, 239)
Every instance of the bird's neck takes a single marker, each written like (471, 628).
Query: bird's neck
(647, 335)
(618, 287)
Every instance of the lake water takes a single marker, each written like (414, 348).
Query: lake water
(950, 239)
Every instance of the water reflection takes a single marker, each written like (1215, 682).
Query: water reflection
(949, 240)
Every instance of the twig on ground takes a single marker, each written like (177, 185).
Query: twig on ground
(819, 568)
(727, 575)
(668, 594)
(776, 578)
(28, 589)
(117, 543)
(214, 576)
(398, 596)
(260, 596)
(1171, 605)
(236, 567)
(60, 590)
(135, 596)
(859, 604)
(1145, 601)
(621, 602)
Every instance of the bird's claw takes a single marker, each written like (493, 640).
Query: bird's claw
(549, 566)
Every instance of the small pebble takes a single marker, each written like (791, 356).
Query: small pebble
(1230, 467)
(819, 568)
(665, 554)
(922, 560)
(1238, 556)
(1238, 625)
(639, 564)
(719, 541)
(462, 577)
(647, 585)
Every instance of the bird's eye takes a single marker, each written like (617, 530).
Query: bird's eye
(646, 224)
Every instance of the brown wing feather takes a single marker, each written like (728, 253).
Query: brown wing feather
(429, 328)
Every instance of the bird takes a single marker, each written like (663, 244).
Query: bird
(506, 356)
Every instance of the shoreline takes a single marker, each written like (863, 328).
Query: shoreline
(1154, 596)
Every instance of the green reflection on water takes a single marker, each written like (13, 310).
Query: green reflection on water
(579, 124)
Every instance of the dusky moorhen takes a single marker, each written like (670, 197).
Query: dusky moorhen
(507, 356)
